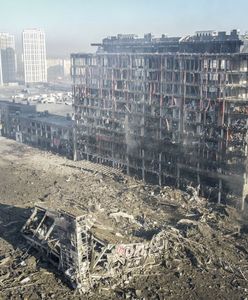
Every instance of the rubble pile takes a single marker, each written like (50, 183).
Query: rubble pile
(204, 245)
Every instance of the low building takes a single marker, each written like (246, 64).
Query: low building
(8, 111)
(39, 129)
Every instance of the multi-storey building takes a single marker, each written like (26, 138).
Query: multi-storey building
(34, 56)
(170, 110)
(58, 68)
(8, 58)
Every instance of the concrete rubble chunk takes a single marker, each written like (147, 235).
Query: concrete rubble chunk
(183, 246)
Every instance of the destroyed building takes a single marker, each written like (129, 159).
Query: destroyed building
(88, 250)
(172, 111)
(46, 131)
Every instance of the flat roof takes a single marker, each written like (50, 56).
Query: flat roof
(49, 119)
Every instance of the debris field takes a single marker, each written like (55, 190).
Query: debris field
(204, 253)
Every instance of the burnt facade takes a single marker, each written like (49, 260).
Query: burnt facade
(38, 129)
(171, 117)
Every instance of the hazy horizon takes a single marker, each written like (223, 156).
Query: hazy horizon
(71, 26)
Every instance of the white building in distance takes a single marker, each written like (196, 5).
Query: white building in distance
(34, 56)
(1, 73)
(58, 68)
(8, 58)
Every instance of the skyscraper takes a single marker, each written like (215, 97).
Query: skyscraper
(34, 56)
(8, 58)
(1, 73)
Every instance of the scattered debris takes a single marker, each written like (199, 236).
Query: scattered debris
(143, 241)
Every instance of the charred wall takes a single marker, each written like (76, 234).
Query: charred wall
(39, 129)
(168, 118)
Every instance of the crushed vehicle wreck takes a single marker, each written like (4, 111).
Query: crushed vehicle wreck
(85, 250)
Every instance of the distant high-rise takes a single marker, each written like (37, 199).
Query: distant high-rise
(1, 73)
(34, 56)
(8, 58)
(58, 68)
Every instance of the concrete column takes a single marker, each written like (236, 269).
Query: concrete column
(198, 178)
(244, 192)
(128, 170)
(178, 176)
(75, 154)
(87, 154)
(160, 169)
(143, 164)
(220, 191)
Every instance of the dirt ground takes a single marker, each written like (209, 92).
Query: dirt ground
(208, 242)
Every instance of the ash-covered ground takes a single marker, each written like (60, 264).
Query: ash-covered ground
(207, 255)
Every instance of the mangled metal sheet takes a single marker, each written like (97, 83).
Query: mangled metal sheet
(83, 256)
